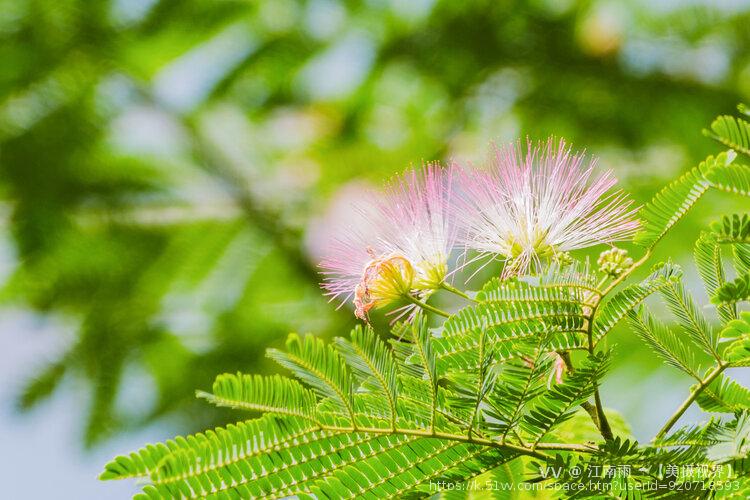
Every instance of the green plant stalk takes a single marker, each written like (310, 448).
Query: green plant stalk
(480, 381)
(604, 426)
(601, 419)
(468, 439)
(590, 409)
(690, 399)
(627, 272)
(580, 448)
(450, 288)
(426, 306)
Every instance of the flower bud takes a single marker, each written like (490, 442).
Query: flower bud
(563, 258)
(614, 261)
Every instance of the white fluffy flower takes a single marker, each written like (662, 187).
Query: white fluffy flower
(537, 203)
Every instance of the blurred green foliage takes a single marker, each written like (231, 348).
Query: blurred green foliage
(166, 164)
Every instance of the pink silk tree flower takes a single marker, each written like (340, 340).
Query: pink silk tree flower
(537, 204)
(400, 246)
(417, 222)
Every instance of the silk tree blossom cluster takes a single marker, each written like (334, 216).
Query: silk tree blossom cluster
(539, 203)
(525, 207)
(401, 247)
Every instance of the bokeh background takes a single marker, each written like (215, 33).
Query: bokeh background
(169, 171)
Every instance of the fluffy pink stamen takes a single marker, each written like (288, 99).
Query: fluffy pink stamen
(545, 197)
(410, 218)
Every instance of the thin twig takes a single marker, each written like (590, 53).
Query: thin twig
(601, 418)
(426, 306)
(450, 288)
(627, 272)
(449, 436)
(604, 426)
(581, 448)
(693, 395)
(590, 409)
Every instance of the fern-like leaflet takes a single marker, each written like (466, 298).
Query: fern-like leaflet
(671, 203)
(732, 132)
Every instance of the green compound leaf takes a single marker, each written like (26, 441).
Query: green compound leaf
(724, 395)
(730, 178)
(737, 332)
(707, 254)
(733, 228)
(559, 403)
(664, 342)
(274, 394)
(734, 291)
(320, 366)
(732, 132)
(670, 204)
(618, 305)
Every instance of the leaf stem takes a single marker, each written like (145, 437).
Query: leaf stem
(627, 272)
(450, 288)
(590, 409)
(426, 306)
(480, 383)
(602, 282)
(601, 418)
(690, 399)
(604, 426)
(580, 448)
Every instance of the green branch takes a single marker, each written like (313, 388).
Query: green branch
(693, 395)
(590, 409)
(450, 288)
(480, 383)
(426, 306)
(601, 418)
(464, 438)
